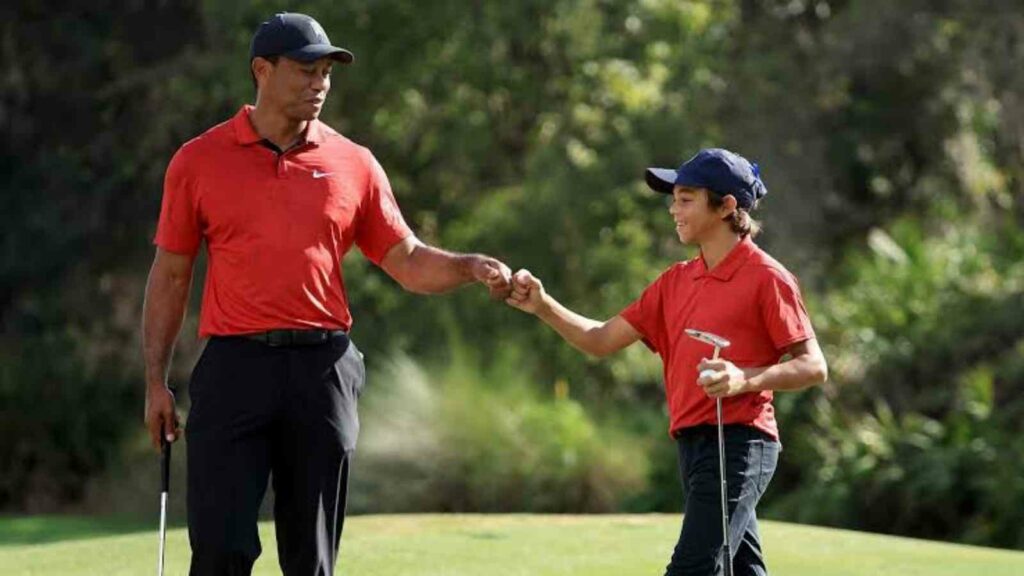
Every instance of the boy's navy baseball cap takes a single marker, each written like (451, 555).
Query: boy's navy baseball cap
(295, 36)
(716, 169)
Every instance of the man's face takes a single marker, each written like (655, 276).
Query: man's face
(695, 219)
(296, 89)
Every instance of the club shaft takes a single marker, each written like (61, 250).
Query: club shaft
(165, 489)
(726, 548)
(163, 533)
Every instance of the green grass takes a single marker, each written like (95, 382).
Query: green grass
(502, 545)
(46, 529)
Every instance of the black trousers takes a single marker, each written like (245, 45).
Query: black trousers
(257, 411)
(750, 460)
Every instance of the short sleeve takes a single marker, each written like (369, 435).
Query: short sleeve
(646, 315)
(178, 229)
(380, 224)
(783, 311)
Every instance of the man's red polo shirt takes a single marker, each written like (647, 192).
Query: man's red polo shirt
(276, 227)
(749, 299)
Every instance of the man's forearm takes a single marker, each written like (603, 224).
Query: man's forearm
(162, 316)
(432, 270)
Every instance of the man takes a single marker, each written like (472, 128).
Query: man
(733, 289)
(279, 198)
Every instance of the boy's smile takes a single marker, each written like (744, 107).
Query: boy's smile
(693, 217)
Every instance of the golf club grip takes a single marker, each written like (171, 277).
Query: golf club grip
(165, 465)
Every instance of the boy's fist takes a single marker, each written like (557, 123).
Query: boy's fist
(527, 292)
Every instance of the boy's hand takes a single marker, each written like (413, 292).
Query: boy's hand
(527, 292)
(721, 378)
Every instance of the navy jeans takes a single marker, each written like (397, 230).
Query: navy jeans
(750, 459)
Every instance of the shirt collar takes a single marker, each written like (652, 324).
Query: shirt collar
(246, 134)
(314, 132)
(731, 263)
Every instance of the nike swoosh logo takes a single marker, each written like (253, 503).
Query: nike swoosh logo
(319, 174)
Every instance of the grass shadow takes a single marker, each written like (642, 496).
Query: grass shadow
(46, 529)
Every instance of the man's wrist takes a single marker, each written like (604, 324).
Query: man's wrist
(467, 264)
(156, 382)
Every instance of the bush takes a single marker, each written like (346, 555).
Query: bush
(60, 421)
(464, 438)
(920, 431)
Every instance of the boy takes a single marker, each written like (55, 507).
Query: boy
(737, 291)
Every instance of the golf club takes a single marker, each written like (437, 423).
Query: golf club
(718, 342)
(165, 488)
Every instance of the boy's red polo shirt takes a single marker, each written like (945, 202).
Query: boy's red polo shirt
(276, 227)
(749, 299)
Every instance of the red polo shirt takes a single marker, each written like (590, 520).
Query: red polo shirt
(276, 226)
(749, 299)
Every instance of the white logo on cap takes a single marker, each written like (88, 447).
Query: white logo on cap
(318, 30)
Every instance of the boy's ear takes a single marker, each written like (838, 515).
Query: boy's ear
(728, 206)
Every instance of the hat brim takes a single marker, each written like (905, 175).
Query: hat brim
(318, 51)
(660, 179)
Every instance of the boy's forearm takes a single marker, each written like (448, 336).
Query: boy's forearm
(794, 374)
(576, 329)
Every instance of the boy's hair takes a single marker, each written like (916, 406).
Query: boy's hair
(740, 220)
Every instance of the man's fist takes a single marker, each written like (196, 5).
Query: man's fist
(161, 417)
(495, 275)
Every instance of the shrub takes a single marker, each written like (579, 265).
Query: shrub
(463, 437)
(919, 432)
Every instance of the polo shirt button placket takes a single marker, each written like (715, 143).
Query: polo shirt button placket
(282, 166)
(698, 293)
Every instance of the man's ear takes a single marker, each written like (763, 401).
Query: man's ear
(260, 68)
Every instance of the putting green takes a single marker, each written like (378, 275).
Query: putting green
(497, 545)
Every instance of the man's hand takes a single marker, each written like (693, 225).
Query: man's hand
(494, 274)
(161, 418)
(527, 292)
(721, 378)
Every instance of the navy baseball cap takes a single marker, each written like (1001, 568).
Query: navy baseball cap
(716, 169)
(295, 36)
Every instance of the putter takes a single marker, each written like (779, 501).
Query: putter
(165, 488)
(718, 342)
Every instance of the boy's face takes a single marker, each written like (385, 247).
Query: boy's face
(695, 220)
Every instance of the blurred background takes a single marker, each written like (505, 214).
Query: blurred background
(890, 134)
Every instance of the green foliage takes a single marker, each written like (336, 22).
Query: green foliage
(921, 432)
(958, 292)
(459, 437)
(61, 429)
(955, 478)
(889, 134)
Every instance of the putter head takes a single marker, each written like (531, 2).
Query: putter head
(708, 338)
